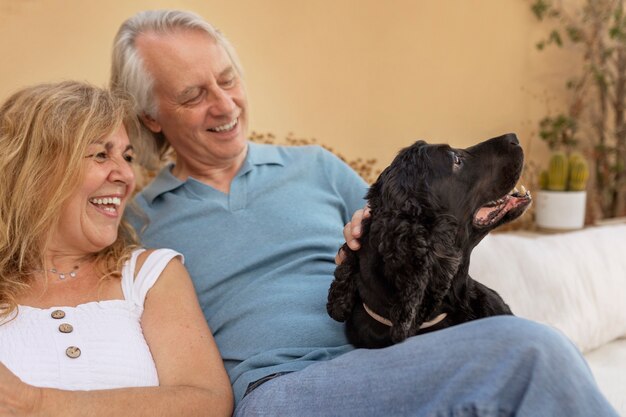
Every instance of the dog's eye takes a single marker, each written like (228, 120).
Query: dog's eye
(457, 160)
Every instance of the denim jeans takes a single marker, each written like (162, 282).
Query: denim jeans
(495, 367)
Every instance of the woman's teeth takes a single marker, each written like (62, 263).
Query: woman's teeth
(107, 200)
(109, 204)
(225, 127)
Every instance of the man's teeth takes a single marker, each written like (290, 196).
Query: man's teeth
(225, 127)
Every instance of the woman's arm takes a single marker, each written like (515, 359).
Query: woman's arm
(192, 378)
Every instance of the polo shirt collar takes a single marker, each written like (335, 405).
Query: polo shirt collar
(262, 154)
(164, 182)
(258, 154)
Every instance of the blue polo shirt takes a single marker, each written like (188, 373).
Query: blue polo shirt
(261, 257)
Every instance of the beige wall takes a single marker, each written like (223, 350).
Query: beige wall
(366, 77)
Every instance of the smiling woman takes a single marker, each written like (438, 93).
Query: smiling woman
(83, 309)
(46, 131)
(93, 212)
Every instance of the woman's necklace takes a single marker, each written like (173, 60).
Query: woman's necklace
(63, 275)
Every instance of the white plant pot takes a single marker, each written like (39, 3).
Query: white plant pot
(560, 210)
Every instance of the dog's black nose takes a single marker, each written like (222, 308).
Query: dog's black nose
(504, 144)
(511, 138)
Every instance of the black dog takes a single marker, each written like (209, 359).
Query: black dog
(429, 209)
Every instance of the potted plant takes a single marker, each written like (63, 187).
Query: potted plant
(597, 93)
(561, 202)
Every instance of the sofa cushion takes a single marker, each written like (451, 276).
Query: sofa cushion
(608, 364)
(575, 282)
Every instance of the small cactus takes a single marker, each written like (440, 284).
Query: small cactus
(558, 172)
(578, 173)
(565, 174)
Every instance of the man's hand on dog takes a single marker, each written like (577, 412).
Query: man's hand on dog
(352, 232)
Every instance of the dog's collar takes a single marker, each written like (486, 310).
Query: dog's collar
(377, 317)
(388, 322)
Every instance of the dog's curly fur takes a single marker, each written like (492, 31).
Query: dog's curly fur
(429, 209)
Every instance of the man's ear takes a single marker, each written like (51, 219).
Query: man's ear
(150, 123)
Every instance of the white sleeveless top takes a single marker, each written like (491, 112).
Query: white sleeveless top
(103, 347)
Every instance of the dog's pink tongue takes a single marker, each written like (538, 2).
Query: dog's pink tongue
(487, 214)
(483, 213)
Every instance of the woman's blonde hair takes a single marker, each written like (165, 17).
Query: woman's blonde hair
(44, 134)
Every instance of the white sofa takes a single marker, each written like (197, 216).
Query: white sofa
(575, 282)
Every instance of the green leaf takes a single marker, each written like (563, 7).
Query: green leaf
(539, 8)
(600, 80)
(555, 37)
(607, 53)
(615, 32)
(574, 33)
(559, 131)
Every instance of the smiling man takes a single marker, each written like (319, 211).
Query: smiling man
(202, 105)
(260, 225)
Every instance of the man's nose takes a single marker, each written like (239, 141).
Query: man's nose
(221, 103)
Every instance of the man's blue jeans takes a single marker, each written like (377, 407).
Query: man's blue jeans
(500, 366)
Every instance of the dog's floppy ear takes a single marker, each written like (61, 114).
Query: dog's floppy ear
(420, 262)
(342, 294)
(442, 259)
(399, 184)
(414, 239)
